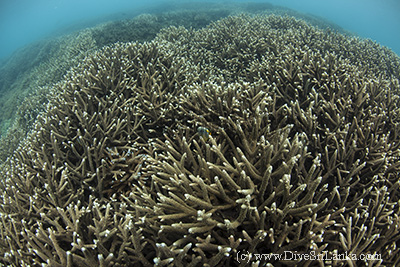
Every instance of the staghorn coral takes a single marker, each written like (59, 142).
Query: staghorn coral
(27, 96)
(44, 63)
(303, 155)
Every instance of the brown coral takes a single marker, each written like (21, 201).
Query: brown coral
(303, 155)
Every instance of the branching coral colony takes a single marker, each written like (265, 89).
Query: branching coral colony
(303, 155)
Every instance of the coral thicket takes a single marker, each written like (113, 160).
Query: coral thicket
(303, 155)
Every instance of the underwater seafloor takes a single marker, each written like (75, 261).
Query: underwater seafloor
(227, 136)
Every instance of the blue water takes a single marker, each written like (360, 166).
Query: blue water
(25, 21)
(378, 20)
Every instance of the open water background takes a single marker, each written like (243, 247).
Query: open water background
(26, 21)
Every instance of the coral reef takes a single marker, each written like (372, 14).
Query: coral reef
(27, 77)
(303, 155)
(23, 99)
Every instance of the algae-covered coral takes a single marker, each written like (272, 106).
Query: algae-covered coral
(303, 156)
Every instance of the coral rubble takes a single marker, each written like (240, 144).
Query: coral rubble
(303, 155)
